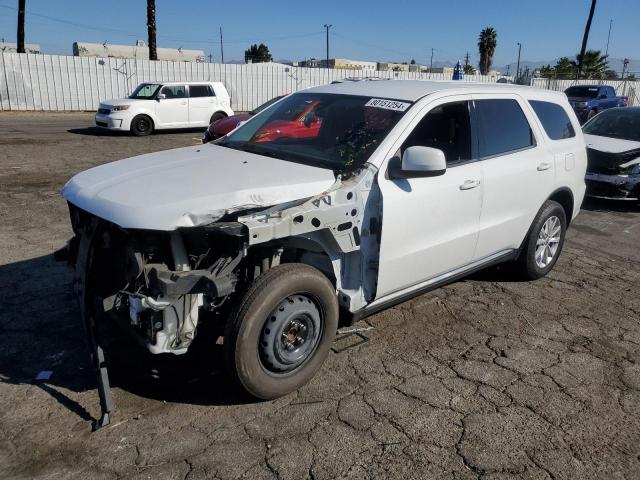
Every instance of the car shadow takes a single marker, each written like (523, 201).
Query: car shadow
(41, 335)
(101, 132)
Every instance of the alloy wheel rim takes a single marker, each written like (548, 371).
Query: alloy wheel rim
(290, 334)
(548, 242)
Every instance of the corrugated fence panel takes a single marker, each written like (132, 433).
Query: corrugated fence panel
(58, 83)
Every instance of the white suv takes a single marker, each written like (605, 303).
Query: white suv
(337, 201)
(161, 105)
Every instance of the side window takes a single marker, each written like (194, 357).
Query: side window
(196, 91)
(448, 128)
(611, 92)
(174, 91)
(554, 120)
(503, 127)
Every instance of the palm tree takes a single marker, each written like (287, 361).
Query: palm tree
(151, 29)
(487, 46)
(585, 37)
(20, 42)
(594, 64)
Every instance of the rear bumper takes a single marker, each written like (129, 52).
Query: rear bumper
(621, 187)
(112, 122)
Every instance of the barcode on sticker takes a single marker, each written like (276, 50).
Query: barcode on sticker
(387, 104)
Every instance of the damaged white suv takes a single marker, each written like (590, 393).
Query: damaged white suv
(336, 202)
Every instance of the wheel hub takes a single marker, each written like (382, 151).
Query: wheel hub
(548, 242)
(290, 334)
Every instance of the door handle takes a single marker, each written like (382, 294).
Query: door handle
(544, 166)
(469, 184)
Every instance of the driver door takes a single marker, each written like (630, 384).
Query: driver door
(430, 224)
(173, 110)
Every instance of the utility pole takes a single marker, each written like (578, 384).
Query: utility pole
(508, 67)
(606, 53)
(518, 67)
(431, 61)
(585, 37)
(625, 64)
(327, 27)
(466, 60)
(221, 48)
(20, 42)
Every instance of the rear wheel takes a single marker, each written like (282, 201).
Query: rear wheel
(281, 330)
(544, 243)
(217, 116)
(141, 125)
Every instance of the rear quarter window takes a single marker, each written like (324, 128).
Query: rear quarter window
(554, 119)
(503, 127)
(196, 91)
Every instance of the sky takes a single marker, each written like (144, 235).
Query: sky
(361, 29)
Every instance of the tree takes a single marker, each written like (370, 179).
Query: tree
(631, 77)
(413, 62)
(610, 74)
(565, 68)
(151, 29)
(257, 54)
(592, 64)
(469, 70)
(487, 42)
(20, 42)
(547, 71)
(585, 37)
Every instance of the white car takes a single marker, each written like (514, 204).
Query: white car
(383, 191)
(161, 105)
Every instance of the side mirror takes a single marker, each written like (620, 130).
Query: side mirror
(161, 96)
(420, 162)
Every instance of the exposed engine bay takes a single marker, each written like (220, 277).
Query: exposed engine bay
(164, 285)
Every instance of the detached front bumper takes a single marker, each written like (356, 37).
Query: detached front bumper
(620, 187)
(112, 121)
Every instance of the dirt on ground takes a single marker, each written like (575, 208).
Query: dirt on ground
(486, 378)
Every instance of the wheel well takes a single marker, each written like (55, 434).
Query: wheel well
(153, 124)
(224, 115)
(565, 198)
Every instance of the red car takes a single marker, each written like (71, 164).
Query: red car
(221, 127)
(295, 124)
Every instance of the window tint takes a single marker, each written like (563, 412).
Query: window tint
(447, 128)
(503, 127)
(174, 91)
(200, 91)
(554, 120)
(611, 92)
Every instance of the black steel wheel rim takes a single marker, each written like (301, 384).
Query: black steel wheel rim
(291, 334)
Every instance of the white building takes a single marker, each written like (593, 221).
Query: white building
(8, 47)
(139, 50)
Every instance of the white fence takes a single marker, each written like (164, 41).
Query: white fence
(61, 83)
(623, 88)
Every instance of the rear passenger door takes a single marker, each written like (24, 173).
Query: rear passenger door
(518, 171)
(202, 102)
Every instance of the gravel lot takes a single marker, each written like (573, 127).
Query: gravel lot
(485, 378)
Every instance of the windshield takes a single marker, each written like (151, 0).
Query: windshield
(623, 123)
(257, 110)
(145, 91)
(339, 132)
(585, 92)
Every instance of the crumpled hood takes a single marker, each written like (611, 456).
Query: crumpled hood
(609, 144)
(190, 186)
(610, 156)
(225, 125)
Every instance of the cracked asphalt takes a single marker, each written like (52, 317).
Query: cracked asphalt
(486, 378)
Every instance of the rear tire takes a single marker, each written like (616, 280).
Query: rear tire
(281, 330)
(217, 116)
(141, 125)
(542, 247)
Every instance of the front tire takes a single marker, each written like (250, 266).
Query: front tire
(141, 125)
(544, 241)
(280, 332)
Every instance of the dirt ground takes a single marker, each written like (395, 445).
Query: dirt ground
(486, 378)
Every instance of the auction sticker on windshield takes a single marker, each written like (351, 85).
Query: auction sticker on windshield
(387, 104)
